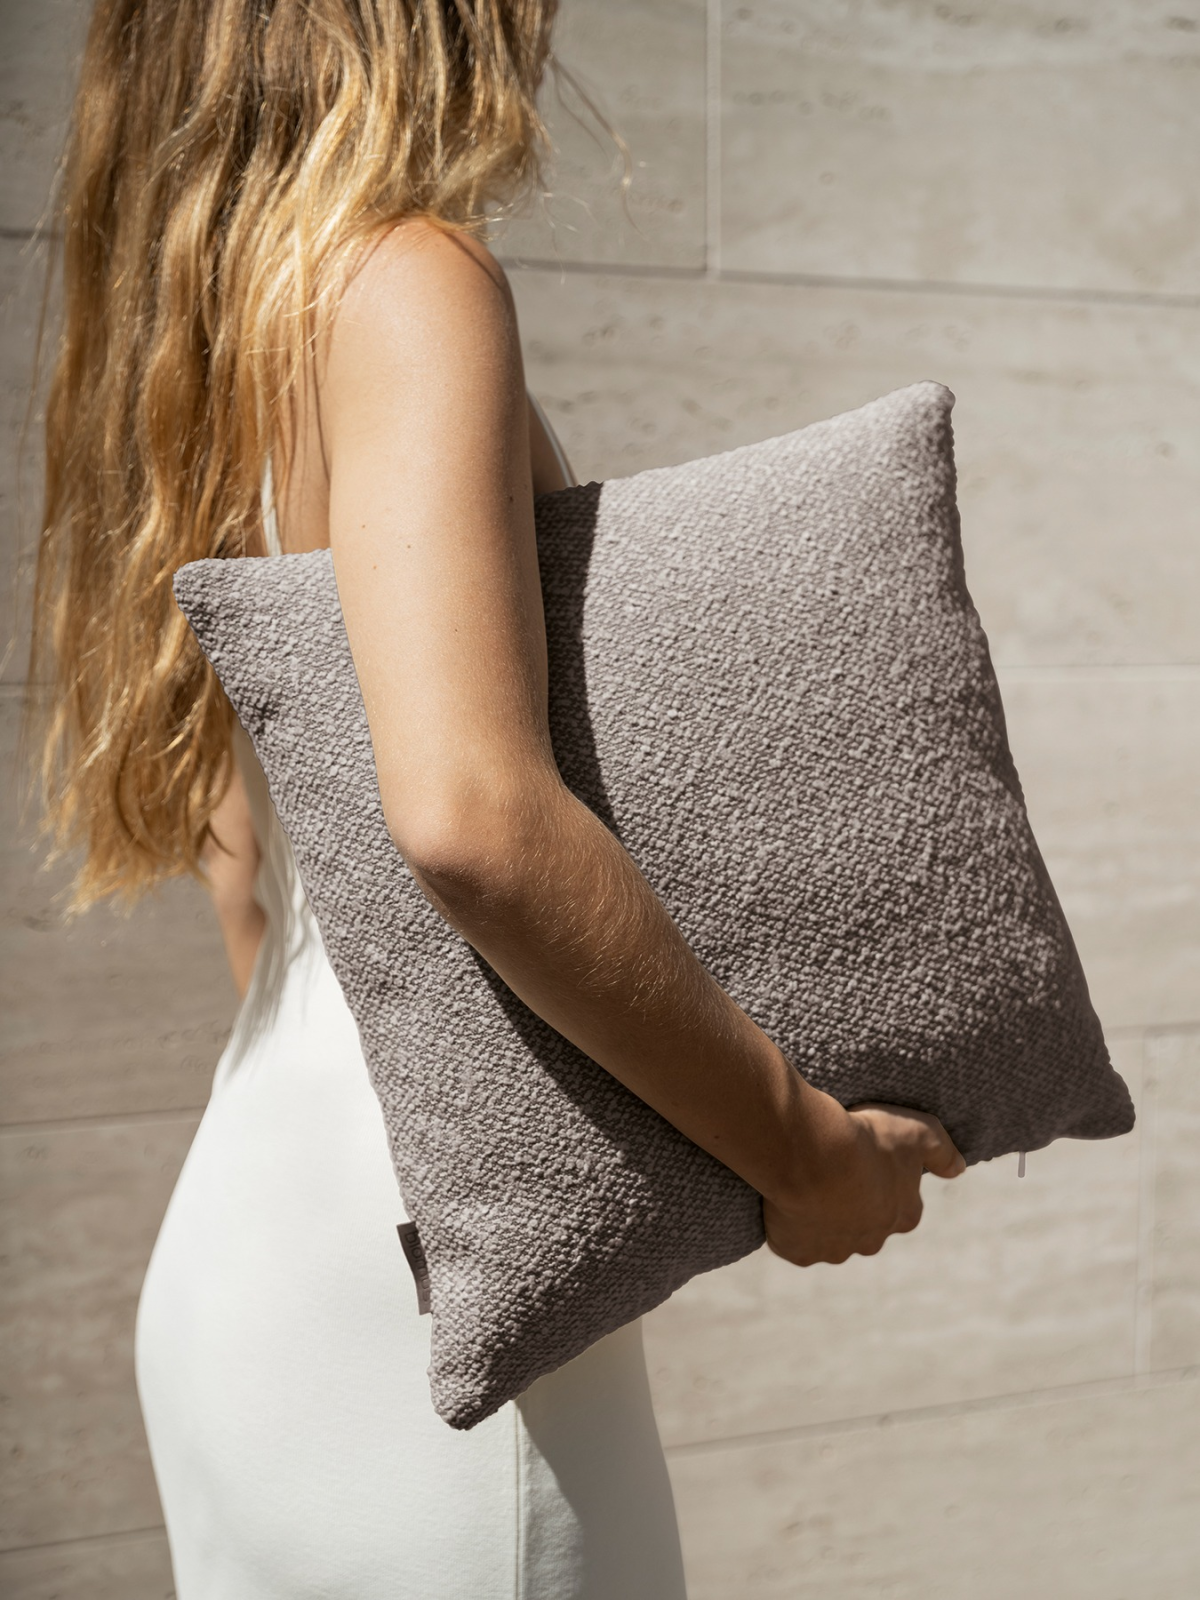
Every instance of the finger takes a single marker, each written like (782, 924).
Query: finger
(931, 1142)
(937, 1151)
(909, 1220)
(939, 1154)
(797, 1257)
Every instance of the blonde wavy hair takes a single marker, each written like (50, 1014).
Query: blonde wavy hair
(227, 161)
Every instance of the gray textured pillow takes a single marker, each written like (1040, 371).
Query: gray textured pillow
(768, 678)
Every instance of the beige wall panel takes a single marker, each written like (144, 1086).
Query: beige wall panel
(1078, 427)
(1008, 1285)
(81, 1207)
(132, 1567)
(1011, 143)
(1088, 1498)
(1110, 764)
(39, 45)
(642, 62)
(108, 1014)
(1173, 1076)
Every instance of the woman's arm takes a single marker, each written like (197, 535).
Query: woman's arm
(431, 524)
(230, 860)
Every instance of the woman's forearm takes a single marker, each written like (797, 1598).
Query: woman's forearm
(431, 523)
(558, 908)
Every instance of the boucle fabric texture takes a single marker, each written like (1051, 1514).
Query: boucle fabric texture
(767, 677)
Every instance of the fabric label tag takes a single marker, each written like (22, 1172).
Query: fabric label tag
(414, 1252)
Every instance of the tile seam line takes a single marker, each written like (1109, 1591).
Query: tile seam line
(813, 280)
(1147, 1173)
(118, 1536)
(1152, 1030)
(102, 1119)
(20, 234)
(1019, 1401)
(1107, 671)
(1011, 291)
(712, 140)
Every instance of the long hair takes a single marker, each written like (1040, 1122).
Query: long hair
(227, 162)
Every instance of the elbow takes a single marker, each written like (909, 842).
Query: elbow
(469, 859)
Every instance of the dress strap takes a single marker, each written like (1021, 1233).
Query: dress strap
(559, 453)
(269, 518)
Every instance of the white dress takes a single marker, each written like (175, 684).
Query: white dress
(281, 1362)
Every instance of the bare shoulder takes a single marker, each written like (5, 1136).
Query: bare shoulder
(425, 298)
(422, 257)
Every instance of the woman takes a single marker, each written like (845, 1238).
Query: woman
(283, 330)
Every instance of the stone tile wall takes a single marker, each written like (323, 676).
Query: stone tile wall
(829, 199)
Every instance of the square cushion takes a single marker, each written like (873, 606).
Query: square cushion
(767, 677)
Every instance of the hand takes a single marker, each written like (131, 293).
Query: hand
(861, 1182)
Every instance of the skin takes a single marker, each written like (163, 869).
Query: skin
(230, 860)
(418, 468)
